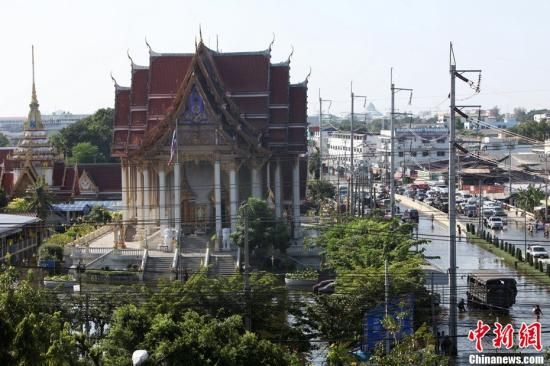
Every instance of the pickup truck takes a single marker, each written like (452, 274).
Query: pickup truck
(537, 251)
(495, 223)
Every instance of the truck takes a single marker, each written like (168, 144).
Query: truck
(491, 289)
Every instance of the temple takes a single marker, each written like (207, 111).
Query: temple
(199, 133)
(34, 158)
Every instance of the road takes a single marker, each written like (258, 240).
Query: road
(471, 257)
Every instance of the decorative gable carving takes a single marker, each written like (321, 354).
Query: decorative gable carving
(86, 184)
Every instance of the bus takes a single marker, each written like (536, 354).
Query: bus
(490, 289)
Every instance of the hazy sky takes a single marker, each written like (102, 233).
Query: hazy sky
(78, 44)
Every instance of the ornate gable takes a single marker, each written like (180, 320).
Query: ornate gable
(205, 115)
(86, 184)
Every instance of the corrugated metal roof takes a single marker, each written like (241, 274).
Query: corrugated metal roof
(14, 223)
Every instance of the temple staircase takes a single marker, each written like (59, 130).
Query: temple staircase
(159, 266)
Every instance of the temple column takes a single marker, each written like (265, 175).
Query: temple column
(124, 176)
(255, 179)
(278, 189)
(162, 199)
(296, 197)
(177, 197)
(233, 197)
(218, 201)
(146, 201)
(140, 208)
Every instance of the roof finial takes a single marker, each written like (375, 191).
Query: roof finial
(308, 75)
(34, 119)
(291, 53)
(34, 99)
(114, 80)
(200, 33)
(148, 46)
(130, 57)
(272, 41)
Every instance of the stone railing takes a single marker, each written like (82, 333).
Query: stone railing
(84, 240)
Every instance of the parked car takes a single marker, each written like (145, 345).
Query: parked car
(537, 251)
(495, 223)
(469, 210)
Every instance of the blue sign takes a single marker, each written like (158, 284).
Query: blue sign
(401, 309)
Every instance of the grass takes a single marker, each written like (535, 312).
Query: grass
(510, 260)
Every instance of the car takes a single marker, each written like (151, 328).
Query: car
(428, 201)
(537, 251)
(469, 210)
(421, 196)
(410, 215)
(495, 223)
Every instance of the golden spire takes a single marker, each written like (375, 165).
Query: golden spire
(34, 120)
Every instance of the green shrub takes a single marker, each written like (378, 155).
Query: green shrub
(51, 251)
(59, 239)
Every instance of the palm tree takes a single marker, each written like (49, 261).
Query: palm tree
(41, 199)
(529, 198)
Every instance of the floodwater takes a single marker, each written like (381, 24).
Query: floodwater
(470, 258)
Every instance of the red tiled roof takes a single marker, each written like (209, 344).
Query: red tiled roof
(58, 170)
(7, 182)
(279, 84)
(167, 73)
(139, 87)
(122, 107)
(244, 72)
(4, 153)
(252, 105)
(107, 177)
(69, 181)
(298, 104)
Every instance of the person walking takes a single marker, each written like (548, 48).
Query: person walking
(537, 311)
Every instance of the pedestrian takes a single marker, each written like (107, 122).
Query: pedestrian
(446, 345)
(459, 230)
(461, 306)
(433, 217)
(537, 311)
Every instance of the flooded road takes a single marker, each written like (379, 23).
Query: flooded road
(470, 258)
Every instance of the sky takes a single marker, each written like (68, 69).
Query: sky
(78, 44)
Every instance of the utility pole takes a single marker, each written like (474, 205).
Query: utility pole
(452, 212)
(321, 132)
(394, 90)
(452, 196)
(510, 167)
(386, 300)
(247, 320)
(352, 136)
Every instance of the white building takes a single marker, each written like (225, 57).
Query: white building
(339, 150)
(541, 117)
(415, 148)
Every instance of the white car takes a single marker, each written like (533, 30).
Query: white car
(537, 251)
(495, 223)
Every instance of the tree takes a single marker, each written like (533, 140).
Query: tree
(320, 190)
(41, 200)
(4, 141)
(98, 215)
(417, 349)
(265, 231)
(18, 205)
(355, 252)
(85, 152)
(314, 163)
(96, 129)
(528, 199)
(188, 339)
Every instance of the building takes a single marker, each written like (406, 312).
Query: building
(34, 158)
(198, 133)
(415, 148)
(13, 126)
(541, 117)
(338, 157)
(18, 238)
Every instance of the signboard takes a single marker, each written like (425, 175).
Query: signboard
(373, 330)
